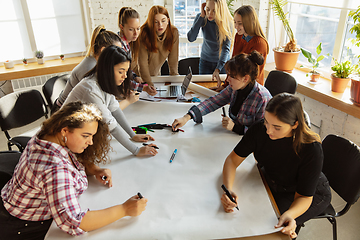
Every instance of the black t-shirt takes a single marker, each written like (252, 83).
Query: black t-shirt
(281, 164)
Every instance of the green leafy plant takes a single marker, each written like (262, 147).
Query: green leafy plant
(314, 60)
(277, 6)
(39, 54)
(24, 60)
(355, 15)
(230, 4)
(343, 69)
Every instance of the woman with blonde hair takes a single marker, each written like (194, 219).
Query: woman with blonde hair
(51, 175)
(291, 158)
(217, 26)
(159, 40)
(249, 37)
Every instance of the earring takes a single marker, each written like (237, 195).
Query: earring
(64, 139)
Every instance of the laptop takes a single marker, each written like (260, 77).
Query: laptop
(173, 91)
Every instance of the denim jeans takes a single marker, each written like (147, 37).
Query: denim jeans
(206, 67)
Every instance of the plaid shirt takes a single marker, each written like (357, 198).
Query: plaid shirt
(46, 185)
(252, 109)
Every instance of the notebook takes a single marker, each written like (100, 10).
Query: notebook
(173, 91)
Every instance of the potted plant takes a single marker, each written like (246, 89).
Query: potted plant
(340, 77)
(355, 79)
(314, 60)
(62, 57)
(24, 61)
(39, 55)
(285, 57)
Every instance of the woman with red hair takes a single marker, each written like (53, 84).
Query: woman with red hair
(159, 41)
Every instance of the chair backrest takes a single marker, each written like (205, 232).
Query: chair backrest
(53, 87)
(186, 62)
(279, 82)
(8, 161)
(18, 109)
(342, 167)
(165, 68)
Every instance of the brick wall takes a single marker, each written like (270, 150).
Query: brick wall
(327, 120)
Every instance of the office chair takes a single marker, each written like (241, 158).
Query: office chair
(186, 62)
(53, 87)
(18, 109)
(342, 169)
(8, 162)
(165, 69)
(279, 82)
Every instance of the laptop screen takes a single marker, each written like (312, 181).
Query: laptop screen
(186, 82)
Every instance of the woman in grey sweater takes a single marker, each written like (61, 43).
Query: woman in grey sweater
(109, 79)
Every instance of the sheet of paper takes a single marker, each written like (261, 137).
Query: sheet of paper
(183, 196)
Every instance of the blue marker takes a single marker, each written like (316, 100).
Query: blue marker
(173, 155)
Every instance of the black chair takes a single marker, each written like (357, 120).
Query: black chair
(53, 87)
(18, 109)
(165, 69)
(279, 82)
(342, 169)
(8, 161)
(184, 64)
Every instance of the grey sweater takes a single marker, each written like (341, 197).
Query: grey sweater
(89, 91)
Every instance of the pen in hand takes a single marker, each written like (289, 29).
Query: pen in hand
(224, 113)
(145, 144)
(104, 178)
(139, 195)
(229, 195)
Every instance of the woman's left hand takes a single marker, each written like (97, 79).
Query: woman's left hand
(216, 77)
(103, 175)
(138, 80)
(289, 225)
(142, 138)
(227, 123)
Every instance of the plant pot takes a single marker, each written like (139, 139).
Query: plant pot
(285, 61)
(338, 84)
(9, 64)
(314, 77)
(355, 91)
(40, 61)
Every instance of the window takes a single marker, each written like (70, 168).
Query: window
(55, 27)
(325, 22)
(185, 12)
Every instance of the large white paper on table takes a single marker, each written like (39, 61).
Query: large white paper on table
(183, 196)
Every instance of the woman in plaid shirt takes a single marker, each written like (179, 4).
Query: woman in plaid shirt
(246, 97)
(51, 174)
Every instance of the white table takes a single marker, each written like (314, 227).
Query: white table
(183, 196)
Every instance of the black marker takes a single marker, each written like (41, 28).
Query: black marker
(139, 195)
(104, 178)
(137, 93)
(224, 113)
(145, 144)
(229, 195)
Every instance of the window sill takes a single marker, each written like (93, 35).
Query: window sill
(35, 69)
(321, 92)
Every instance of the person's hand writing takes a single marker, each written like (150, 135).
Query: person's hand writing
(227, 203)
(103, 175)
(289, 225)
(179, 122)
(147, 150)
(134, 206)
(227, 123)
(132, 97)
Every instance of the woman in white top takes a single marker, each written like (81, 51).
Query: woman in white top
(110, 78)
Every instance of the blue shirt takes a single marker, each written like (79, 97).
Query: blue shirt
(211, 46)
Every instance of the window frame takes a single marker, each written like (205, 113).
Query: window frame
(85, 16)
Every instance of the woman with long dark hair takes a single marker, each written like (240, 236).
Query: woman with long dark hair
(291, 158)
(110, 78)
